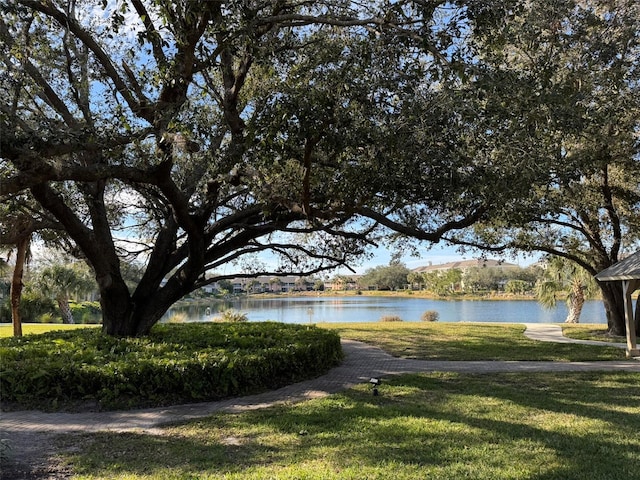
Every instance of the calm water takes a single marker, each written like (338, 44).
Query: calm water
(370, 309)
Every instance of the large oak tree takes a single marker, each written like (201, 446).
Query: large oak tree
(571, 92)
(546, 106)
(193, 135)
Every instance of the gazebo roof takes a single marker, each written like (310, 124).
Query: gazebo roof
(627, 269)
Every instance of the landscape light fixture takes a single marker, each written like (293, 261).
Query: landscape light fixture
(376, 383)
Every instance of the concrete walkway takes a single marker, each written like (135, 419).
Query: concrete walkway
(552, 332)
(361, 362)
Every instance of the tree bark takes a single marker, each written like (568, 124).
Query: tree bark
(131, 321)
(16, 284)
(124, 315)
(614, 307)
(117, 308)
(65, 311)
(575, 309)
(576, 302)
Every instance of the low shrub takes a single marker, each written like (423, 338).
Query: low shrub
(86, 312)
(390, 318)
(179, 317)
(33, 306)
(176, 363)
(232, 316)
(47, 317)
(430, 316)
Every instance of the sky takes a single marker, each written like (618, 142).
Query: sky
(437, 254)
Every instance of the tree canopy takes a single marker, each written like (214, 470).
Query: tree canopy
(576, 65)
(192, 137)
(387, 277)
(550, 118)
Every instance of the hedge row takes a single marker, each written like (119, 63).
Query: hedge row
(174, 364)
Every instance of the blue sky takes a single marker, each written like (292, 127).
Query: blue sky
(437, 254)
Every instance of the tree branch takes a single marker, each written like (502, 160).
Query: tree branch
(418, 233)
(612, 213)
(152, 34)
(102, 57)
(34, 171)
(48, 94)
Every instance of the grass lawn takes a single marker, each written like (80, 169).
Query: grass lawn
(468, 341)
(446, 341)
(590, 332)
(432, 426)
(541, 426)
(6, 329)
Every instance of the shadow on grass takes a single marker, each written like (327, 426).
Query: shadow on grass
(471, 342)
(542, 426)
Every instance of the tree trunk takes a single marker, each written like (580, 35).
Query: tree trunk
(136, 322)
(125, 316)
(614, 307)
(575, 309)
(576, 302)
(117, 309)
(65, 310)
(16, 284)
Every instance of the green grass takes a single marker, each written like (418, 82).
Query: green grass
(452, 341)
(6, 329)
(432, 426)
(590, 332)
(541, 426)
(467, 341)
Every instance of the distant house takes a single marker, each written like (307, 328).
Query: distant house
(266, 284)
(465, 265)
(210, 289)
(344, 282)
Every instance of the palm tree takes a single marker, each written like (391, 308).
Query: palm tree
(274, 283)
(23, 254)
(253, 285)
(61, 281)
(17, 234)
(20, 221)
(562, 275)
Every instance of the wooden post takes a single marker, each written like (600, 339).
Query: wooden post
(628, 287)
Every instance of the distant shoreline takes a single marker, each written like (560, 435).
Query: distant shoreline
(493, 296)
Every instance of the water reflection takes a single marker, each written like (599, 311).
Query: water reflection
(370, 309)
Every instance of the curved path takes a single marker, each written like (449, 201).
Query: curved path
(361, 362)
(32, 434)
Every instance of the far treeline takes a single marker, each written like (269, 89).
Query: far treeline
(451, 281)
(196, 137)
(65, 292)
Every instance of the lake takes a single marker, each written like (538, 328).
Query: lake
(370, 309)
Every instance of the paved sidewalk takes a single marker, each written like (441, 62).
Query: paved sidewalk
(361, 362)
(552, 332)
